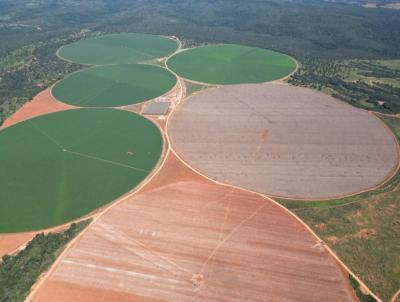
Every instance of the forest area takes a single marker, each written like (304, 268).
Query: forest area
(316, 33)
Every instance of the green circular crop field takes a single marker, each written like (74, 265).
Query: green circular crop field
(118, 49)
(61, 166)
(114, 85)
(231, 64)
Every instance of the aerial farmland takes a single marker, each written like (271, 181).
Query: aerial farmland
(160, 167)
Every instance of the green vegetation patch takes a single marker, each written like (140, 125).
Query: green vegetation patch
(19, 272)
(27, 70)
(61, 166)
(361, 296)
(231, 64)
(114, 85)
(193, 87)
(369, 84)
(363, 230)
(118, 49)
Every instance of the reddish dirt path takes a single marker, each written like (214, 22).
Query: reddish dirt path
(41, 104)
(185, 238)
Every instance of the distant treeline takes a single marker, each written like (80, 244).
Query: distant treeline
(307, 30)
(300, 28)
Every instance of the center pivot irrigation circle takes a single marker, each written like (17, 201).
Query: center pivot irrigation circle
(61, 166)
(231, 64)
(118, 49)
(283, 141)
(114, 85)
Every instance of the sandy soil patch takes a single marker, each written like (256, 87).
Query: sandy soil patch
(11, 242)
(365, 233)
(283, 141)
(185, 238)
(41, 104)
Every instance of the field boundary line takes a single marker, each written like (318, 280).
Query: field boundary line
(94, 218)
(148, 249)
(89, 98)
(319, 240)
(227, 209)
(105, 160)
(396, 295)
(395, 169)
(237, 227)
(308, 228)
(37, 128)
(221, 242)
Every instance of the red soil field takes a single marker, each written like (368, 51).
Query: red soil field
(41, 104)
(186, 238)
(11, 242)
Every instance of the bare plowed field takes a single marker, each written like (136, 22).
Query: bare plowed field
(283, 141)
(185, 238)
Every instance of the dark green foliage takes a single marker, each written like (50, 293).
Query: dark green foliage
(19, 272)
(371, 69)
(356, 286)
(297, 27)
(331, 74)
(32, 71)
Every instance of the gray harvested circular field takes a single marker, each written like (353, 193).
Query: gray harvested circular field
(283, 141)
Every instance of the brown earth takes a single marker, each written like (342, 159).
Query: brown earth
(365, 233)
(64, 292)
(9, 243)
(41, 104)
(12, 242)
(186, 238)
(283, 141)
